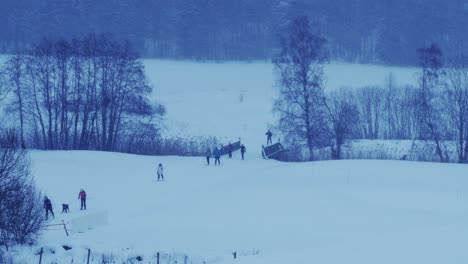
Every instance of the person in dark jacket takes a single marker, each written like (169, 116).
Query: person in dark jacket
(217, 155)
(208, 155)
(243, 150)
(82, 197)
(48, 207)
(269, 135)
(229, 149)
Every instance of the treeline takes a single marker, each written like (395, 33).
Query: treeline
(87, 93)
(383, 112)
(434, 112)
(357, 31)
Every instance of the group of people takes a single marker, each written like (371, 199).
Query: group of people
(48, 204)
(217, 153)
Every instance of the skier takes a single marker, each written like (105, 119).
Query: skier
(229, 149)
(243, 150)
(48, 207)
(269, 135)
(208, 155)
(217, 155)
(82, 197)
(160, 172)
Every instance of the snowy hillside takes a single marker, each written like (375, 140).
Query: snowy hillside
(320, 212)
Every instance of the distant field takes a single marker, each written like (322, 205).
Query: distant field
(200, 96)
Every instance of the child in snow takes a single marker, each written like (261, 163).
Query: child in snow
(160, 172)
(82, 197)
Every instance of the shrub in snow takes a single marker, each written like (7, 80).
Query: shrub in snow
(21, 213)
(194, 146)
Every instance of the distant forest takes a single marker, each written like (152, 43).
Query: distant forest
(369, 31)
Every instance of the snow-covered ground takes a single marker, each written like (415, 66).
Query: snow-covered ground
(320, 212)
(357, 211)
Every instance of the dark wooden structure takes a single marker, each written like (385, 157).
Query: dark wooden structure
(272, 151)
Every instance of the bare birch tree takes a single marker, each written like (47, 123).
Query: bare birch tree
(299, 67)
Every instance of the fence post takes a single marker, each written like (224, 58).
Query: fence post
(157, 258)
(40, 256)
(89, 253)
(65, 227)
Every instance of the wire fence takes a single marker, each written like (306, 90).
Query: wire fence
(89, 256)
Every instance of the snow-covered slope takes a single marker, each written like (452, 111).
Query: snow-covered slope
(320, 212)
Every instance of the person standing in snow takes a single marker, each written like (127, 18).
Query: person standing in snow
(229, 149)
(269, 135)
(208, 155)
(243, 150)
(160, 172)
(82, 197)
(217, 155)
(48, 207)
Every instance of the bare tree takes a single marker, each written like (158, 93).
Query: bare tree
(457, 104)
(389, 108)
(15, 71)
(21, 213)
(78, 94)
(370, 106)
(4, 87)
(430, 112)
(299, 67)
(343, 116)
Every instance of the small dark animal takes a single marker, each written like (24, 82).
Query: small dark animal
(65, 208)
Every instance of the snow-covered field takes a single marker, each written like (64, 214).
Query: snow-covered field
(320, 212)
(357, 211)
